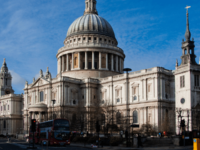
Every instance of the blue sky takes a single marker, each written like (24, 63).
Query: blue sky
(149, 31)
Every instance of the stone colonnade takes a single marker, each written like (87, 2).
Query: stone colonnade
(90, 60)
(42, 116)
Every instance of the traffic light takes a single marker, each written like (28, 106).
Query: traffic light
(33, 125)
(97, 127)
(182, 123)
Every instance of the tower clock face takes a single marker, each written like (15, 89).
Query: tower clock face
(182, 100)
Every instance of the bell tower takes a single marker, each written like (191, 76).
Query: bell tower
(188, 55)
(90, 7)
(5, 80)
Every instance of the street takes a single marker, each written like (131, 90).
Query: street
(21, 145)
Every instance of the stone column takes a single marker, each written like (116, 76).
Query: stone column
(106, 61)
(120, 70)
(86, 61)
(112, 63)
(33, 115)
(60, 65)
(99, 60)
(79, 60)
(116, 63)
(40, 114)
(72, 61)
(67, 62)
(63, 63)
(93, 60)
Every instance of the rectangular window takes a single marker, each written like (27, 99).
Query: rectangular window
(4, 107)
(1, 108)
(8, 107)
(196, 80)
(182, 81)
(41, 96)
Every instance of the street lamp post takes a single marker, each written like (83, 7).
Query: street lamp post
(127, 102)
(53, 107)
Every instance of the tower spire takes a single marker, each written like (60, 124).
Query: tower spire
(187, 33)
(4, 67)
(90, 7)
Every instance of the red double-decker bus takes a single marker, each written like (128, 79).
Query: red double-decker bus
(53, 132)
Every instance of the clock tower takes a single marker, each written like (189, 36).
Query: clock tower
(5, 80)
(187, 85)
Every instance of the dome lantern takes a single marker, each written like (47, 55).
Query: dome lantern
(90, 7)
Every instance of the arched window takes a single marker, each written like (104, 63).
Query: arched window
(185, 52)
(118, 117)
(135, 117)
(41, 96)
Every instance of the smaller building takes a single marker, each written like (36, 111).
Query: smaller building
(10, 105)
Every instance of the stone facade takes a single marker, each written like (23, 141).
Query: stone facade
(90, 69)
(11, 105)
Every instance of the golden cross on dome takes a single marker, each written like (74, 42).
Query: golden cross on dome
(187, 7)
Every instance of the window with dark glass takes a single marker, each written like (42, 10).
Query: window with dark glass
(41, 96)
(196, 80)
(135, 117)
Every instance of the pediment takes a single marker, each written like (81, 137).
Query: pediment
(118, 87)
(134, 84)
(40, 82)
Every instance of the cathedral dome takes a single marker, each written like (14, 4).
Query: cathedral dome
(90, 24)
